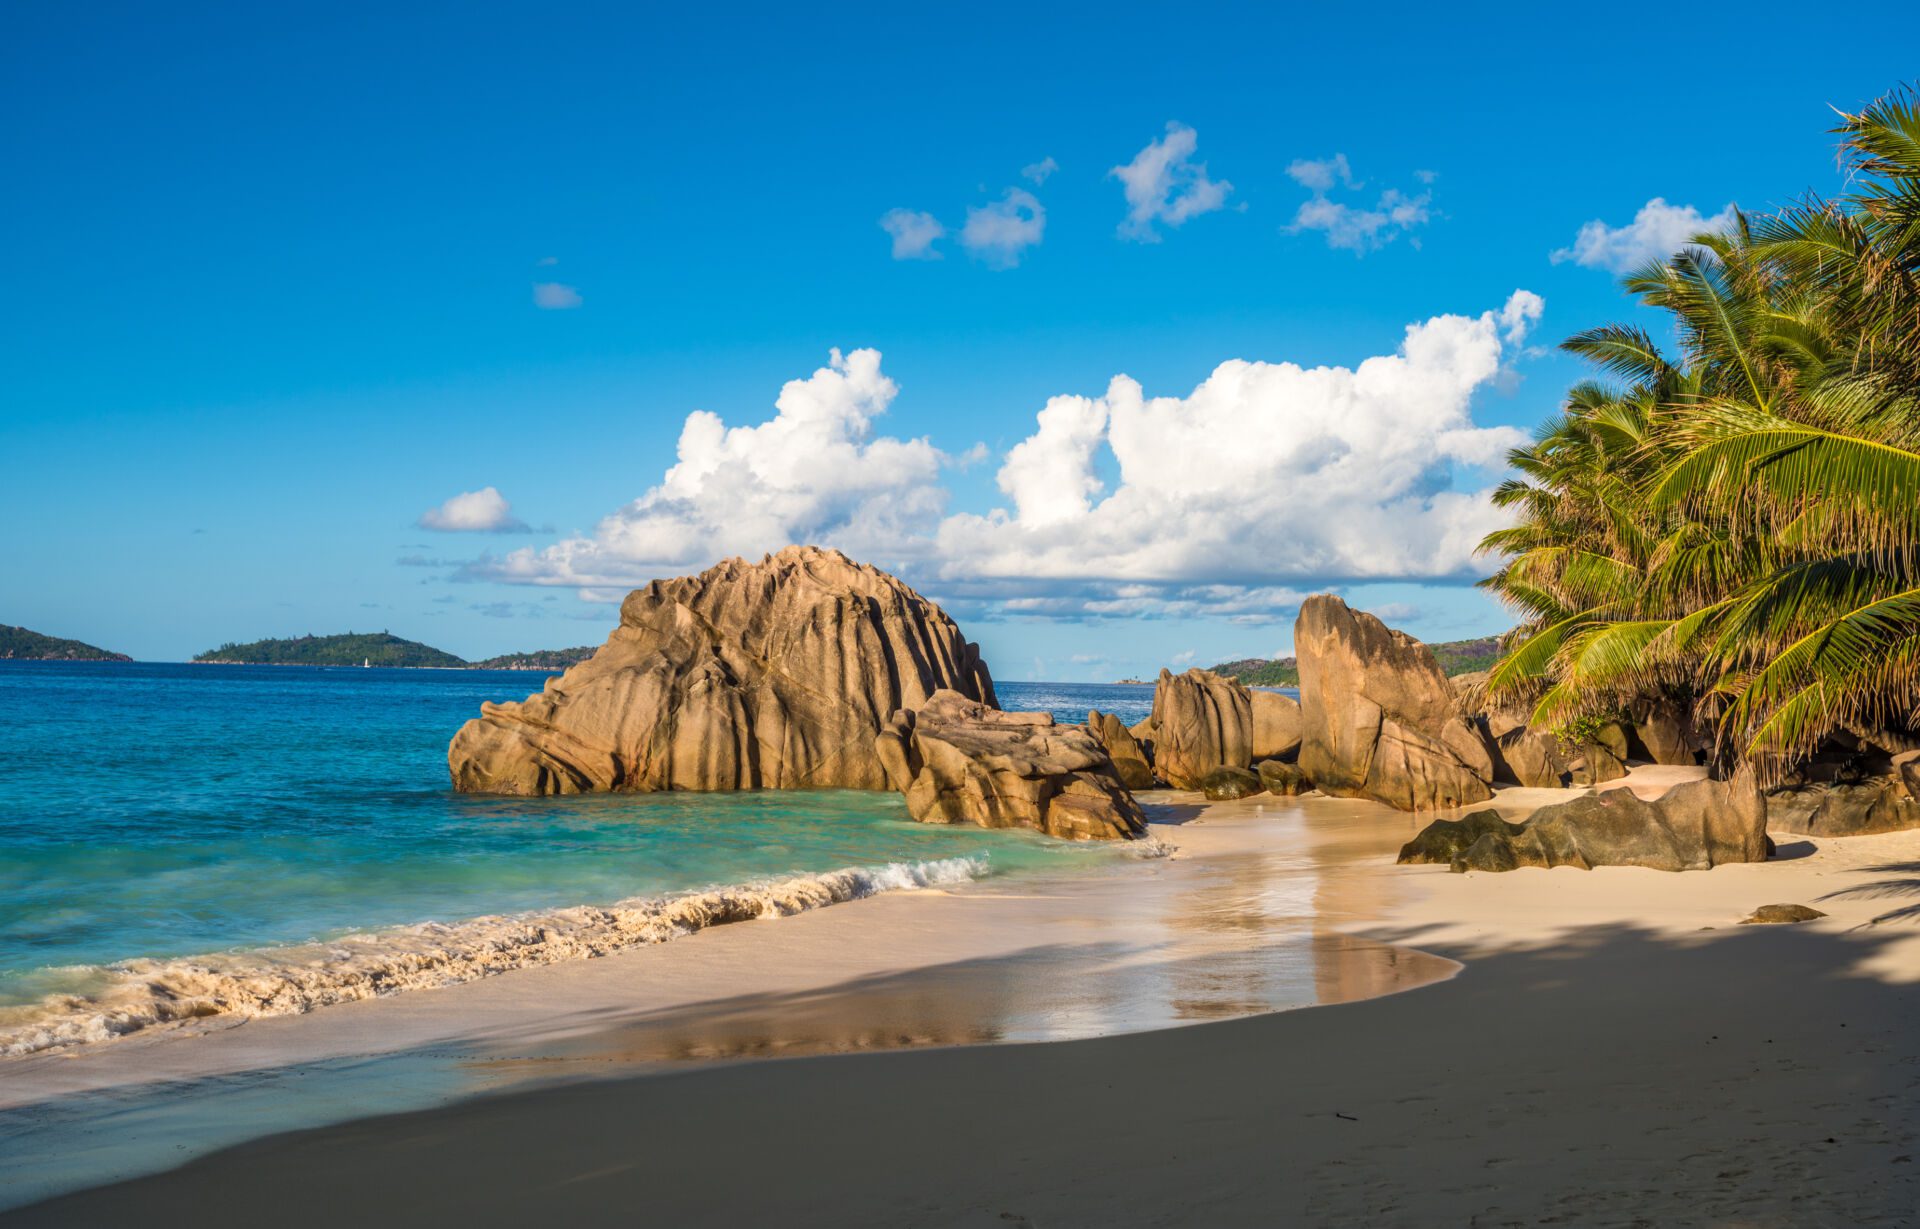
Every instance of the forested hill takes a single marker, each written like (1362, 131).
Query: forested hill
(539, 659)
(351, 649)
(19, 644)
(1454, 656)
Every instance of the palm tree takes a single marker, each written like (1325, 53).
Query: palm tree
(1738, 529)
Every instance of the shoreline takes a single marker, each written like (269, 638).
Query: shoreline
(1785, 1094)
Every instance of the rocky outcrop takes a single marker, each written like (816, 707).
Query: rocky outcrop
(960, 762)
(1128, 756)
(774, 675)
(1662, 735)
(1520, 754)
(1276, 726)
(1283, 778)
(1694, 826)
(1223, 784)
(1378, 717)
(1201, 721)
(1845, 808)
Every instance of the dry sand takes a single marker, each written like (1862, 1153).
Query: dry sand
(1617, 1050)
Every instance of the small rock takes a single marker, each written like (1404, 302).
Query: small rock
(1226, 783)
(1780, 915)
(1283, 778)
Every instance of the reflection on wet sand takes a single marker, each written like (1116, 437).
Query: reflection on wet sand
(1216, 937)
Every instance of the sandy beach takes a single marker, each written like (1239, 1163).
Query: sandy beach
(1611, 1048)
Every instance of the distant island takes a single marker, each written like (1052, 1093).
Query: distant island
(351, 649)
(1454, 656)
(19, 644)
(540, 659)
(376, 649)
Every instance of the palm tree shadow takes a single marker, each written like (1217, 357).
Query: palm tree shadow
(1886, 889)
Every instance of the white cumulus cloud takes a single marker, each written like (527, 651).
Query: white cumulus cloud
(555, 296)
(998, 233)
(1656, 232)
(1262, 483)
(914, 233)
(1266, 473)
(814, 472)
(1163, 184)
(483, 511)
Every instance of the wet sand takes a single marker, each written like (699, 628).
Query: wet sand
(1616, 1050)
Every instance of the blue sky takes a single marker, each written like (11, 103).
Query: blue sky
(283, 281)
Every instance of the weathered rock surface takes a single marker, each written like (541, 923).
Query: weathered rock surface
(1781, 915)
(1378, 717)
(1228, 783)
(1597, 764)
(1663, 736)
(1520, 754)
(1201, 721)
(1443, 840)
(1128, 756)
(1276, 725)
(960, 762)
(775, 674)
(1845, 808)
(1694, 826)
(1283, 778)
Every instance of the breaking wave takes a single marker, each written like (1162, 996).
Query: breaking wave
(282, 981)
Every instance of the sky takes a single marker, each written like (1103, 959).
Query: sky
(1117, 337)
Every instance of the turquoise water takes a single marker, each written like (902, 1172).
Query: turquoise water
(163, 811)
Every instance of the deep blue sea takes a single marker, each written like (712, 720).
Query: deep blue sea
(161, 811)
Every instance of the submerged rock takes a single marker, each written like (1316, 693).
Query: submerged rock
(1276, 726)
(774, 675)
(1224, 784)
(1129, 758)
(1283, 778)
(1378, 716)
(1781, 915)
(1694, 826)
(1201, 721)
(960, 762)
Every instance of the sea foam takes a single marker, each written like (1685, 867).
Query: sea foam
(290, 980)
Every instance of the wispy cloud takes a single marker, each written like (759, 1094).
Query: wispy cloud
(1352, 226)
(1165, 186)
(555, 296)
(1000, 232)
(914, 233)
(1656, 232)
(1037, 172)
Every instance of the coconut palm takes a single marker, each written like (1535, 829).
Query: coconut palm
(1738, 527)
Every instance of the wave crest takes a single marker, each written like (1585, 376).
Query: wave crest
(291, 980)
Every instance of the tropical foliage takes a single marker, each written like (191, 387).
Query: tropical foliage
(349, 649)
(21, 644)
(1734, 526)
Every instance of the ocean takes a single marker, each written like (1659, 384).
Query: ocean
(273, 839)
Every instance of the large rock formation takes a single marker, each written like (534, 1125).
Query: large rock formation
(1201, 721)
(1276, 726)
(1694, 826)
(775, 674)
(960, 762)
(1129, 757)
(1378, 717)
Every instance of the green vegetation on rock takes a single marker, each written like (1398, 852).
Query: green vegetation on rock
(351, 649)
(19, 644)
(1454, 656)
(539, 659)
